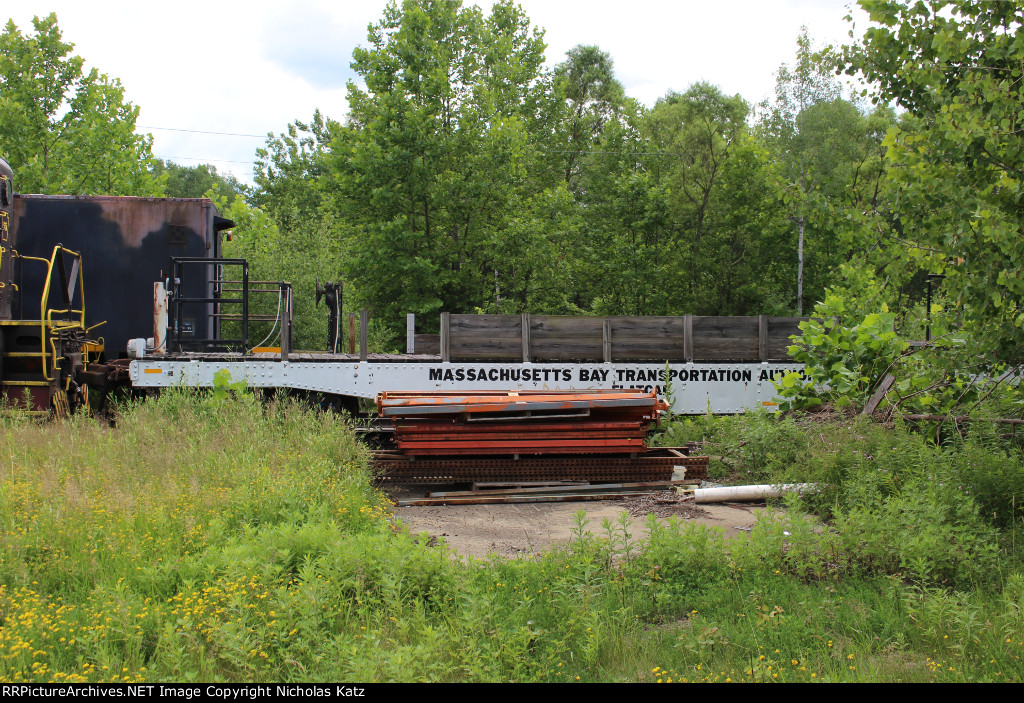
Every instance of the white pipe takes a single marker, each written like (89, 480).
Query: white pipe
(737, 493)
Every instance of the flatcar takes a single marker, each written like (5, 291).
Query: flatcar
(162, 301)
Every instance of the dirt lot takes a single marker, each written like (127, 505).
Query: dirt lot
(529, 528)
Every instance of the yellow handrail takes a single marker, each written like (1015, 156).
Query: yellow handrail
(46, 314)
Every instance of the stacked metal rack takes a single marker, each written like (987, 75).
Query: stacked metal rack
(528, 436)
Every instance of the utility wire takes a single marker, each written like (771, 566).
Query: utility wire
(546, 151)
(264, 136)
(194, 158)
(202, 131)
(614, 153)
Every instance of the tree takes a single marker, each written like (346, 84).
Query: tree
(790, 126)
(745, 266)
(64, 130)
(593, 96)
(627, 249)
(432, 163)
(197, 181)
(698, 128)
(677, 214)
(691, 137)
(957, 172)
(290, 170)
(301, 257)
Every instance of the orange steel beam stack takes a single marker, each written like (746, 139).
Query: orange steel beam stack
(525, 435)
(607, 422)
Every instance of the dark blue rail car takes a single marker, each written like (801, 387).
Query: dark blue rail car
(125, 243)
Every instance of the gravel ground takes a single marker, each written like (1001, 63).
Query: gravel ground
(526, 529)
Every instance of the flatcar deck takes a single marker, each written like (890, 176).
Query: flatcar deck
(313, 356)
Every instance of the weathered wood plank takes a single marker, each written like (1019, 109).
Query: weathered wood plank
(628, 326)
(497, 337)
(779, 331)
(883, 388)
(564, 338)
(485, 349)
(364, 324)
(735, 326)
(503, 326)
(648, 351)
(649, 338)
(728, 350)
(725, 338)
(446, 336)
(567, 350)
(428, 343)
(688, 338)
(569, 353)
(762, 337)
(524, 327)
(625, 338)
(565, 326)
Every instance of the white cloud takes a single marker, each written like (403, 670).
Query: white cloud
(312, 45)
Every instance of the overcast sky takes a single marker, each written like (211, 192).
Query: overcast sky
(252, 67)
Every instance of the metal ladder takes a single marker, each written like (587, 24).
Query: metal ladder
(39, 356)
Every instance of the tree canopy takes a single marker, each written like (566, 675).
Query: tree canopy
(467, 176)
(65, 130)
(435, 153)
(197, 181)
(955, 160)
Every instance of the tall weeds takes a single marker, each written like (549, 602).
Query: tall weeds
(206, 540)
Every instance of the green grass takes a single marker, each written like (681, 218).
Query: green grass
(219, 539)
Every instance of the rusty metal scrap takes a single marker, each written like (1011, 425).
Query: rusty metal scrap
(607, 491)
(655, 465)
(392, 404)
(485, 500)
(528, 422)
(595, 436)
(627, 487)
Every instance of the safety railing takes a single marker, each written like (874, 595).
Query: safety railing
(50, 322)
(224, 300)
(283, 316)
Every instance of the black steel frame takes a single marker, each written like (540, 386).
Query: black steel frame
(178, 301)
